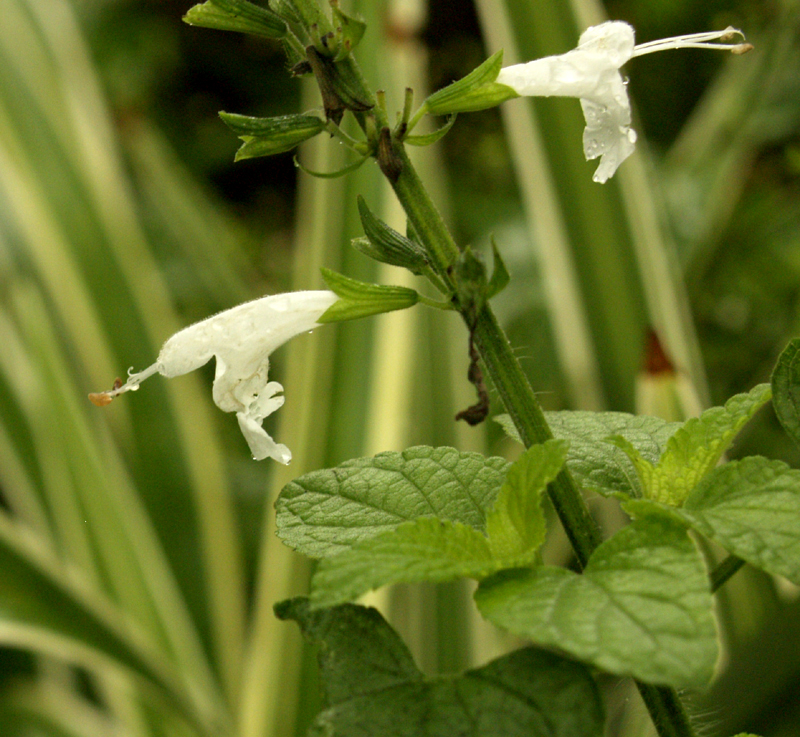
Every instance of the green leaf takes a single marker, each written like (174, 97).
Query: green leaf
(786, 390)
(385, 244)
(430, 549)
(426, 549)
(694, 449)
(594, 462)
(372, 687)
(642, 607)
(477, 91)
(751, 507)
(427, 139)
(358, 299)
(326, 512)
(268, 136)
(516, 524)
(236, 15)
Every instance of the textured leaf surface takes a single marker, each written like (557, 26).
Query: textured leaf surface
(425, 550)
(641, 608)
(516, 523)
(328, 511)
(786, 389)
(694, 449)
(372, 687)
(429, 549)
(595, 463)
(752, 508)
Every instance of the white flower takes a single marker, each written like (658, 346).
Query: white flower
(591, 73)
(241, 339)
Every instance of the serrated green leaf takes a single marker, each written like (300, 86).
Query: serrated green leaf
(642, 607)
(387, 245)
(477, 91)
(326, 512)
(694, 449)
(236, 15)
(430, 549)
(786, 389)
(751, 507)
(371, 686)
(427, 549)
(516, 524)
(358, 299)
(594, 462)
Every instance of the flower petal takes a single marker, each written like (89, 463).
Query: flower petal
(261, 444)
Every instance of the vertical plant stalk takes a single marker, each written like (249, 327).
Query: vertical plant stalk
(511, 383)
(506, 373)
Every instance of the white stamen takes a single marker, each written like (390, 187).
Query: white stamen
(692, 41)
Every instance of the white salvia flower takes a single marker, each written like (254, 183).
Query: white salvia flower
(591, 73)
(241, 339)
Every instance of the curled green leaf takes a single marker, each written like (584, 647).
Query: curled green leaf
(236, 15)
(268, 136)
(426, 139)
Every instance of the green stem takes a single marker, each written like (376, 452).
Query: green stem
(512, 385)
(526, 412)
(666, 711)
(510, 382)
(724, 571)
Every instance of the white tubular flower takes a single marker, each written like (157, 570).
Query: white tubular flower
(591, 73)
(241, 339)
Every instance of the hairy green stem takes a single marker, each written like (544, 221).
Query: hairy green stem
(511, 383)
(666, 711)
(506, 373)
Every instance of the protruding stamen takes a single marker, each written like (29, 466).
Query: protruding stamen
(697, 41)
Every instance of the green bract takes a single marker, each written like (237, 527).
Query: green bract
(349, 30)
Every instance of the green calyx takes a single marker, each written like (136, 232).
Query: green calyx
(477, 91)
(359, 299)
(236, 15)
(386, 245)
(268, 136)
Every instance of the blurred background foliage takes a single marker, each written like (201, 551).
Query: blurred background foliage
(142, 535)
